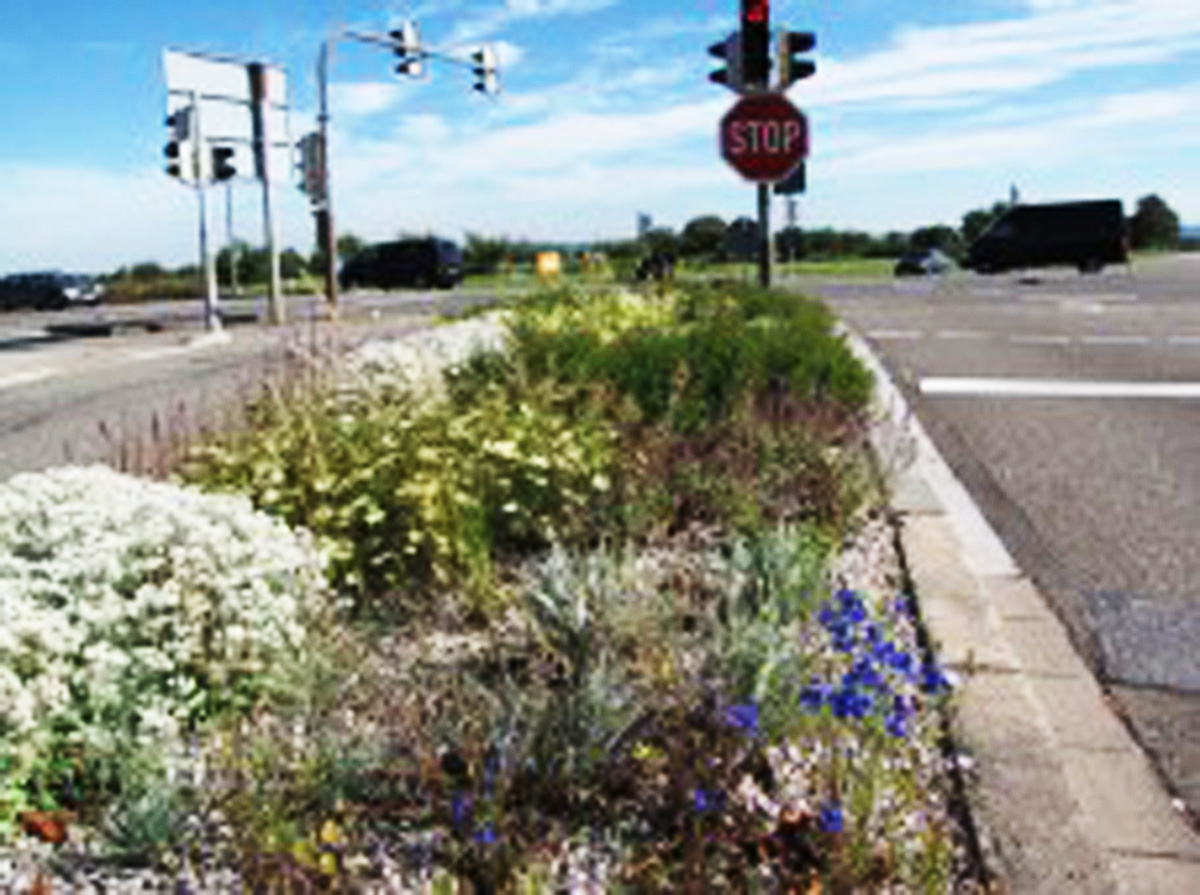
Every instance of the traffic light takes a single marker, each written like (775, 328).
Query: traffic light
(180, 150)
(485, 69)
(756, 42)
(792, 69)
(408, 50)
(730, 49)
(222, 163)
(312, 166)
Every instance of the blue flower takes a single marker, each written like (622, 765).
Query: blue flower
(831, 817)
(897, 725)
(874, 635)
(827, 617)
(902, 606)
(743, 716)
(850, 703)
(708, 800)
(460, 808)
(486, 835)
(865, 674)
(932, 679)
(901, 661)
(815, 695)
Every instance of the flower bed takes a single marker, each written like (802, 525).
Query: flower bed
(604, 630)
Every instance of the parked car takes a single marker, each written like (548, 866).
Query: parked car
(923, 263)
(407, 262)
(49, 291)
(1086, 235)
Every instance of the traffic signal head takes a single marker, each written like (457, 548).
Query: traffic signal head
(792, 69)
(730, 50)
(222, 163)
(485, 69)
(407, 43)
(179, 150)
(756, 42)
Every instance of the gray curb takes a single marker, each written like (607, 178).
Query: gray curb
(1064, 798)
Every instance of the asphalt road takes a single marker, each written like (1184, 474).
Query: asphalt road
(102, 399)
(1069, 406)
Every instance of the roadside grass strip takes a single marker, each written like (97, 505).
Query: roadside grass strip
(596, 593)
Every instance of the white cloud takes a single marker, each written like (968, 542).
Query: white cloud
(486, 23)
(986, 59)
(363, 98)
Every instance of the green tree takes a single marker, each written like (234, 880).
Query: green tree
(938, 236)
(790, 244)
(662, 240)
(484, 254)
(291, 264)
(348, 245)
(1154, 225)
(147, 270)
(977, 220)
(703, 237)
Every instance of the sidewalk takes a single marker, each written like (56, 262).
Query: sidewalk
(1064, 799)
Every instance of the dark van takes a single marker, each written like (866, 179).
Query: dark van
(1086, 235)
(423, 263)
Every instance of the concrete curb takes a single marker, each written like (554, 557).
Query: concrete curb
(1064, 799)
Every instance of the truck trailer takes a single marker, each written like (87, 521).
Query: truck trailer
(1086, 235)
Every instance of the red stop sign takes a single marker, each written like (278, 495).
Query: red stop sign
(764, 137)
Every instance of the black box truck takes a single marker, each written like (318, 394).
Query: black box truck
(1086, 235)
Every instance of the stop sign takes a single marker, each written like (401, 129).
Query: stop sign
(763, 137)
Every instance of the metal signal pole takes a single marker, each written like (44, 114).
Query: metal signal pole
(326, 234)
(212, 317)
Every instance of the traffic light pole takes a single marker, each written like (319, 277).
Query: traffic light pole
(260, 111)
(324, 212)
(212, 317)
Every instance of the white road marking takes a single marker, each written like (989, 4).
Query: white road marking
(1040, 340)
(1183, 340)
(895, 334)
(1055, 388)
(27, 376)
(1114, 340)
(960, 334)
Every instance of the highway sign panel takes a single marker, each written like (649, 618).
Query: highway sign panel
(764, 137)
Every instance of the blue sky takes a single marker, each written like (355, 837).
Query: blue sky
(919, 112)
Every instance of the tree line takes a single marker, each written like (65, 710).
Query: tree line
(707, 238)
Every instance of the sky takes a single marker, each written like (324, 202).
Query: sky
(919, 111)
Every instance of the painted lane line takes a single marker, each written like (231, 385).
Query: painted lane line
(960, 334)
(895, 334)
(1055, 388)
(1040, 340)
(1183, 340)
(27, 376)
(1114, 340)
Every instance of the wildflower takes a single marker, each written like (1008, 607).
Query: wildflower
(704, 800)
(831, 817)
(932, 679)
(901, 661)
(850, 703)
(897, 725)
(486, 835)
(815, 695)
(460, 808)
(743, 716)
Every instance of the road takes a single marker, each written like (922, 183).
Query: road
(1069, 406)
(97, 399)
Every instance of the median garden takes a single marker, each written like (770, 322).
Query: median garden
(594, 592)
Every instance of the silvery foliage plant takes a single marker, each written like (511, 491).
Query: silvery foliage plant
(127, 603)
